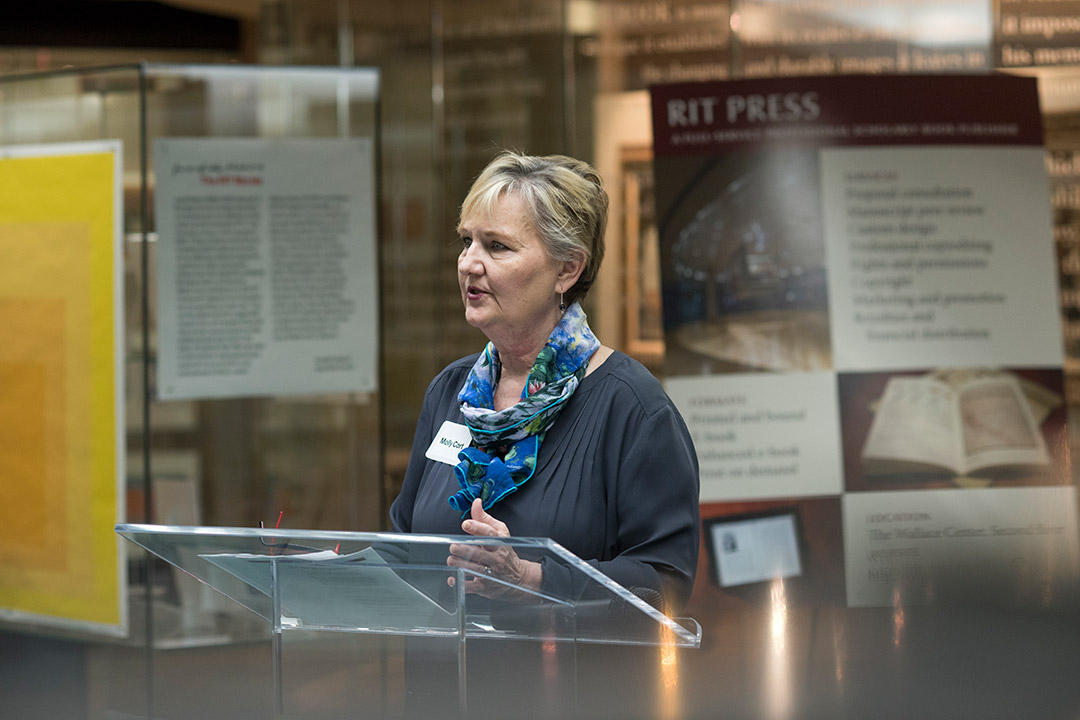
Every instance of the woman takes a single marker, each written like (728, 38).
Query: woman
(570, 439)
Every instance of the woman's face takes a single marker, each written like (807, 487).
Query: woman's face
(509, 283)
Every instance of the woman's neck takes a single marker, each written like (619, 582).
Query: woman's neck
(516, 365)
(518, 362)
(517, 356)
(517, 352)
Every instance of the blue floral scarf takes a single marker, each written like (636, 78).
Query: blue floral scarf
(506, 442)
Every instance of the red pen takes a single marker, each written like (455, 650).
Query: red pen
(276, 526)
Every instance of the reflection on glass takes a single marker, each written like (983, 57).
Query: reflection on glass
(778, 690)
(550, 665)
(670, 705)
(839, 646)
(898, 618)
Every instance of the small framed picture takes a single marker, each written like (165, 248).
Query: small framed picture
(754, 548)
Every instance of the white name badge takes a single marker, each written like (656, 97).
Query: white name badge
(452, 438)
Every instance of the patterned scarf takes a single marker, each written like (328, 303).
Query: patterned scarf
(506, 442)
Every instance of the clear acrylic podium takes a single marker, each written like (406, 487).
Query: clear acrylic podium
(400, 585)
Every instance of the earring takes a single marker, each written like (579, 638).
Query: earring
(562, 303)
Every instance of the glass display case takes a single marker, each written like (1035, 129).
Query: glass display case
(311, 460)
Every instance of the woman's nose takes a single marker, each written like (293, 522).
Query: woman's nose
(470, 261)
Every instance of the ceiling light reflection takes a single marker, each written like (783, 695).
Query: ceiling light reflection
(778, 690)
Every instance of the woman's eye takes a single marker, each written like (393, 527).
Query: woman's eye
(497, 246)
(466, 241)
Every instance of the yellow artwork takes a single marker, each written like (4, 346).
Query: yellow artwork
(59, 413)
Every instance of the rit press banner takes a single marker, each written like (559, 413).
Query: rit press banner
(862, 331)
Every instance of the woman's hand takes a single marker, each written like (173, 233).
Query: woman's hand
(492, 561)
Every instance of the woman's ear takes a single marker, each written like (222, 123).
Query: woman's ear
(569, 272)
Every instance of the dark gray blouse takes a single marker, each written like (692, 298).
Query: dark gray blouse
(616, 481)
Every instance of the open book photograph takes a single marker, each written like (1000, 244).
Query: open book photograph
(966, 427)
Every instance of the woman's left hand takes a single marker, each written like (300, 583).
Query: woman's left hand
(492, 561)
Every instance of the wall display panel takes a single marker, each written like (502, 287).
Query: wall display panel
(760, 436)
(635, 43)
(1059, 92)
(953, 544)
(1036, 34)
(778, 38)
(936, 256)
(266, 269)
(891, 235)
(61, 425)
(499, 84)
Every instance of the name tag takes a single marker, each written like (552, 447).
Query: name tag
(452, 438)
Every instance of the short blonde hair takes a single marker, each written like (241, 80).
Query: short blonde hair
(566, 200)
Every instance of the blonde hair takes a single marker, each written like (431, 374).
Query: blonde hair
(567, 206)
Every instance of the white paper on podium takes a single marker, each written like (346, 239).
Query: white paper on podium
(323, 589)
